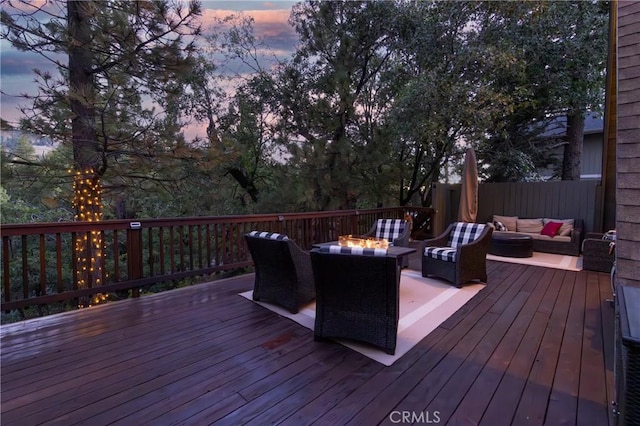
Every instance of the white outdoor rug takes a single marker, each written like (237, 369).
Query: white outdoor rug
(548, 260)
(424, 304)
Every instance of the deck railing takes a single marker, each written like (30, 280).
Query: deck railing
(39, 264)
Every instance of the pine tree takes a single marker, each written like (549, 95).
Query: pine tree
(120, 54)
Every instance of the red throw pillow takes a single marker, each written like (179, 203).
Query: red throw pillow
(551, 229)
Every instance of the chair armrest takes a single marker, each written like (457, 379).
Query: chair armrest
(477, 247)
(370, 233)
(440, 241)
(576, 235)
(403, 239)
(593, 236)
(595, 246)
(302, 261)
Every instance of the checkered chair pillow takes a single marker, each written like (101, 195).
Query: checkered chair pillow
(268, 235)
(464, 233)
(353, 250)
(389, 229)
(447, 254)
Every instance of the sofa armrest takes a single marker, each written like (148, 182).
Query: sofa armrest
(577, 236)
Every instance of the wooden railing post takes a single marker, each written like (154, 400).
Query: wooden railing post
(134, 254)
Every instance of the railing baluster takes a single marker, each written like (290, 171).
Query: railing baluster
(43, 267)
(190, 240)
(103, 271)
(161, 253)
(208, 244)
(224, 241)
(199, 240)
(150, 245)
(25, 269)
(59, 262)
(88, 263)
(236, 244)
(74, 261)
(181, 247)
(5, 269)
(116, 255)
(172, 262)
(216, 235)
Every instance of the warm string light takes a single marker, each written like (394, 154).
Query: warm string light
(87, 202)
(95, 300)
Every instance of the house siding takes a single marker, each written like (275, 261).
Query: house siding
(628, 144)
(591, 162)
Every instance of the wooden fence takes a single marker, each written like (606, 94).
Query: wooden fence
(40, 261)
(558, 199)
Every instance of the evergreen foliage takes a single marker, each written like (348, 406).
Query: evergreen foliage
(377, 102)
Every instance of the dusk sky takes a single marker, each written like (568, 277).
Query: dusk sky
(16, 68)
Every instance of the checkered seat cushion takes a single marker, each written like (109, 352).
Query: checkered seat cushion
(462, 233)
(353, 250)
(268, 235)
(389, 229)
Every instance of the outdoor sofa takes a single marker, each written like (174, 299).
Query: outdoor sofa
(566, 239)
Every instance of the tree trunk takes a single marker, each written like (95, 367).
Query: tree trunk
(87, 188)
(81, 85)
(573, 148)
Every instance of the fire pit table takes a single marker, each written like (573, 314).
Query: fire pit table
(350, 241)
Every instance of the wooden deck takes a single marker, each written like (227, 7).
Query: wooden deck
(533, 347)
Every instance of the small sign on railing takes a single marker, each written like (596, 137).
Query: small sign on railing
(135, 225)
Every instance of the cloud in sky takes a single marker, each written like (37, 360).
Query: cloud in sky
(270, 25)
(22, 63)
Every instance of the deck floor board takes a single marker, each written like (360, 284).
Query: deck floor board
(533, 347)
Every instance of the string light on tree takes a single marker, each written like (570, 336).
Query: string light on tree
(89, 247)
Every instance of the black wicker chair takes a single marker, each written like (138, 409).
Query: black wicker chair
(459, 255)
(357, 295)
(597, 254)
(283, 270)
(396, 231)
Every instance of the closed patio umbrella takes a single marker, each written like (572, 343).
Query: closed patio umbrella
(468, 210)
